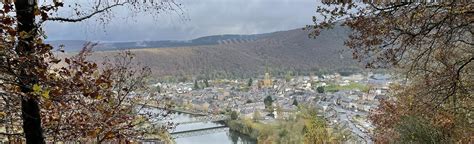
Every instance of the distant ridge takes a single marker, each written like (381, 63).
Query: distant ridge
(242, 55)
(77, 45)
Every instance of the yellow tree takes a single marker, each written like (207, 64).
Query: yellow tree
(256, 116)
(317, 131)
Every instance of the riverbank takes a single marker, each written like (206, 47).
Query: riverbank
(305, 126)
(280, 131)
(204, 135)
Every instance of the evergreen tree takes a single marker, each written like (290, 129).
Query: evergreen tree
(196, 85)
(158, 89)
(206, 82)
(268, 102)
(234, 115)
(250, 82)
(288, 77)
(320, 89)
(295, 102)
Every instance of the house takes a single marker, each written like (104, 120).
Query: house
(380, 97)
(354, 77)
(346, 102)
(344, 83)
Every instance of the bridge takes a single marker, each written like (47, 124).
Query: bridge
(152, 105)
(198, 132)
(201, 131)
(209, 118)
(200, 118)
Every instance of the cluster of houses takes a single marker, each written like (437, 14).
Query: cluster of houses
(225, 95)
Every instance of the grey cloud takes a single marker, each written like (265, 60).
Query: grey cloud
(200, 18)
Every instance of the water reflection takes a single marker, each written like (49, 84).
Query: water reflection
(226, 137)
(238, 138)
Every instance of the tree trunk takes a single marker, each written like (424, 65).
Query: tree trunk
(29, 104)
(32, 121)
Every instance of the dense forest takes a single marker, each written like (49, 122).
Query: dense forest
(278, 53)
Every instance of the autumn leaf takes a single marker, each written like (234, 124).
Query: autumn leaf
(36, 89)
(99, 97)
(23, 34)
(109, 135)
(92, 133)
(45, 94)
(37, 11)
(48, 104)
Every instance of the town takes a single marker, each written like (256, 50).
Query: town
(344, 101)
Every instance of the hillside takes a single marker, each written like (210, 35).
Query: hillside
(278, 52)
(76, 45)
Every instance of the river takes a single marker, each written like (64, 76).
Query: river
(224, 137)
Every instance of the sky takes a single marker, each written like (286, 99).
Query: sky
(199, 18)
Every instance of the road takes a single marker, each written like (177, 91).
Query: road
(345, 116)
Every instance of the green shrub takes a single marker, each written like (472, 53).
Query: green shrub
(414, 129)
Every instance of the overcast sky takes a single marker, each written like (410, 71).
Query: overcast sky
(200, 18)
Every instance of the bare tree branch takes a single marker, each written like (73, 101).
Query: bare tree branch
(11, 134)
(62, 19)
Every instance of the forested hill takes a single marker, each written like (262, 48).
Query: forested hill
(77, 45)
(250, 55)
